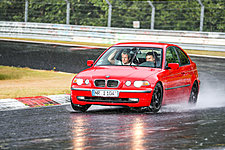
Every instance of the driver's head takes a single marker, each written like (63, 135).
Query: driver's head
(125, 57)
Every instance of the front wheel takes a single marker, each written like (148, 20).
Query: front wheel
(157, 97)
(81, 108)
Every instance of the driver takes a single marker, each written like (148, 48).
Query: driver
(125, 58)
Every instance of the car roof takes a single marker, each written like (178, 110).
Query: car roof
(144, 44)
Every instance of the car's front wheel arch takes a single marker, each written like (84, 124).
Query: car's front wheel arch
(157, 97)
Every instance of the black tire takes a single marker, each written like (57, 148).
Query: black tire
(138, 109)
(81, 108)
(194, 94)
(157, 97)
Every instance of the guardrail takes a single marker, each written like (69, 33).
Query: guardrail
(213, 41)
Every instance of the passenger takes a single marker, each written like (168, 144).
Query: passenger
(150, 60)
(150, 57)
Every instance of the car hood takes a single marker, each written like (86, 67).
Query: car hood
(118, 72)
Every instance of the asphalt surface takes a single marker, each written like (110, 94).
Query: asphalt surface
(46, 57)
(59, 127)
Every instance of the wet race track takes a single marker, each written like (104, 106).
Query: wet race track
(59, 127)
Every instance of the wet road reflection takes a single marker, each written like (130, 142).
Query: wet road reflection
(79, 133)
(174, 127)
(138, 134)
(105, 129)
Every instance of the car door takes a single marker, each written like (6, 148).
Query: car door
(186, 71)
(173, 79)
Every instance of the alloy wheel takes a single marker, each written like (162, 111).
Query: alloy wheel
(156, 98)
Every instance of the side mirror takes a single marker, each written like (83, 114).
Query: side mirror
(90, 63)
(173, 65)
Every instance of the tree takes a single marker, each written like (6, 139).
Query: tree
(214, 19)
(51, 11)
(12, 10)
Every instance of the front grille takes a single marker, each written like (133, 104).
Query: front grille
(108, 83)
(99, 83)
(112, 83)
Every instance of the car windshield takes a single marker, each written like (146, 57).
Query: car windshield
(132, 56)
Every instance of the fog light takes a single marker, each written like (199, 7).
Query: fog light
(80, 97)
(134, 99)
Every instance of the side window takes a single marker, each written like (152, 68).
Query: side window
(183, 57)
(171, 56)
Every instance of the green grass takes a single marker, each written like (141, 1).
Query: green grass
(9, 74)
(8, 77)
(12, 73)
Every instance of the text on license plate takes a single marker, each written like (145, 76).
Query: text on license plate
(105, 93)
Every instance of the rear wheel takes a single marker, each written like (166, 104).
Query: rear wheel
(157, 96)
(81, 108)
(194, 94)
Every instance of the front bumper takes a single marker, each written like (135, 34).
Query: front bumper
(130, 98)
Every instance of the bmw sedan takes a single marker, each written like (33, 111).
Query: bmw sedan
(137, 75)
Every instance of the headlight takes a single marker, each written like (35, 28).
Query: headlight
(78, 81)
(141, 83)
(128, 83)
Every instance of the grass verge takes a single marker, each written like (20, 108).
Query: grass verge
(24, 82)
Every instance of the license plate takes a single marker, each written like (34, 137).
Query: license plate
(105, 93)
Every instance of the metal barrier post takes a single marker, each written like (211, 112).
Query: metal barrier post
(109, 13)
(26, 10)
(67, 12)
(202, 15)
(153, 15)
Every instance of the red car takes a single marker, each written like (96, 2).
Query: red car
(137, 75)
